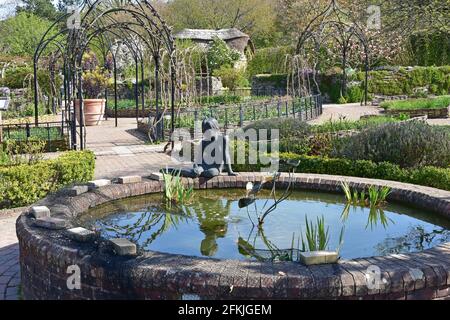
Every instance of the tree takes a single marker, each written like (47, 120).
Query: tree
(40, 8)
(20, 35)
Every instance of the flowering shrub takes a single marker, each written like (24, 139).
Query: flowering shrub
(219, 54)
(94, 83)
(95, 78)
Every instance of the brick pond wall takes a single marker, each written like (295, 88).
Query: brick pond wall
(46, 255)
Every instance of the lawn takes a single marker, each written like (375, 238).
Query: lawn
(52, 133)
(413, 104)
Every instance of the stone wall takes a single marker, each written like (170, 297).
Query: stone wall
(46, 255)
(430, 113)
(127, 113)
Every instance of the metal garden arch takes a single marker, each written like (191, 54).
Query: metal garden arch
(110, 22)
(344, 27)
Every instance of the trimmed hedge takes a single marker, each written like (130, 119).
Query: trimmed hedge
(425, 176)
(269, 60)
(25, 184)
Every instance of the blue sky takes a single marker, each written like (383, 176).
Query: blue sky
(7, 7)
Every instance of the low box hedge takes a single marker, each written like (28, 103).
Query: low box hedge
(425, 176)
(24, 184)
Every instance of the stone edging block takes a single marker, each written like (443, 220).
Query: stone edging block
(129, 179)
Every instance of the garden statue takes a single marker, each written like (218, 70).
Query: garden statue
(215, 154)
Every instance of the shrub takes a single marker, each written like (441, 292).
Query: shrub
(24, 184)
(429, 103)
(430, 48)
(269, 61)
(23, 152)
(426, 176)
(354, 94)
(17, 77)
(231, 77)
(95, 78)
(222, 99)
(408, 144)
(220, 54)
(342, 100)
(20, 34)
(293, 133)
(3, 157)
(320, 144)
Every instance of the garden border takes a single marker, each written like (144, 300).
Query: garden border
(45, 256)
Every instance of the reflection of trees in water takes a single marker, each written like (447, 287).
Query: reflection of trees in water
(150, 220)
(417, 239)
(211, 215)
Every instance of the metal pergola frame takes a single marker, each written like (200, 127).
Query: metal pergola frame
(99, 21)
(346, 27)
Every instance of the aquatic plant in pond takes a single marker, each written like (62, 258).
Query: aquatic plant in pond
(375, 196)
(175, 192)
(317, 236)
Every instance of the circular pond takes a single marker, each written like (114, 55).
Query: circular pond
(213, 225)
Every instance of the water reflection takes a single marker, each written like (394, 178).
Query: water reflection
(151, 221)
(270, 252)
(214, 226)
(212, 222)
(376, 216)
(417, 239)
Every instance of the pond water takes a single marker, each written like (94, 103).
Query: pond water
(212, 225)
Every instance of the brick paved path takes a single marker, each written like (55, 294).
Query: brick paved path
(123, 150)
(9, 256)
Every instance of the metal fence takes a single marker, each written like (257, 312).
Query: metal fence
(55, 134)
(255, 92)
(304, 109)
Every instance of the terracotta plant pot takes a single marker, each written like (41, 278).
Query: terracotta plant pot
(94, 110)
